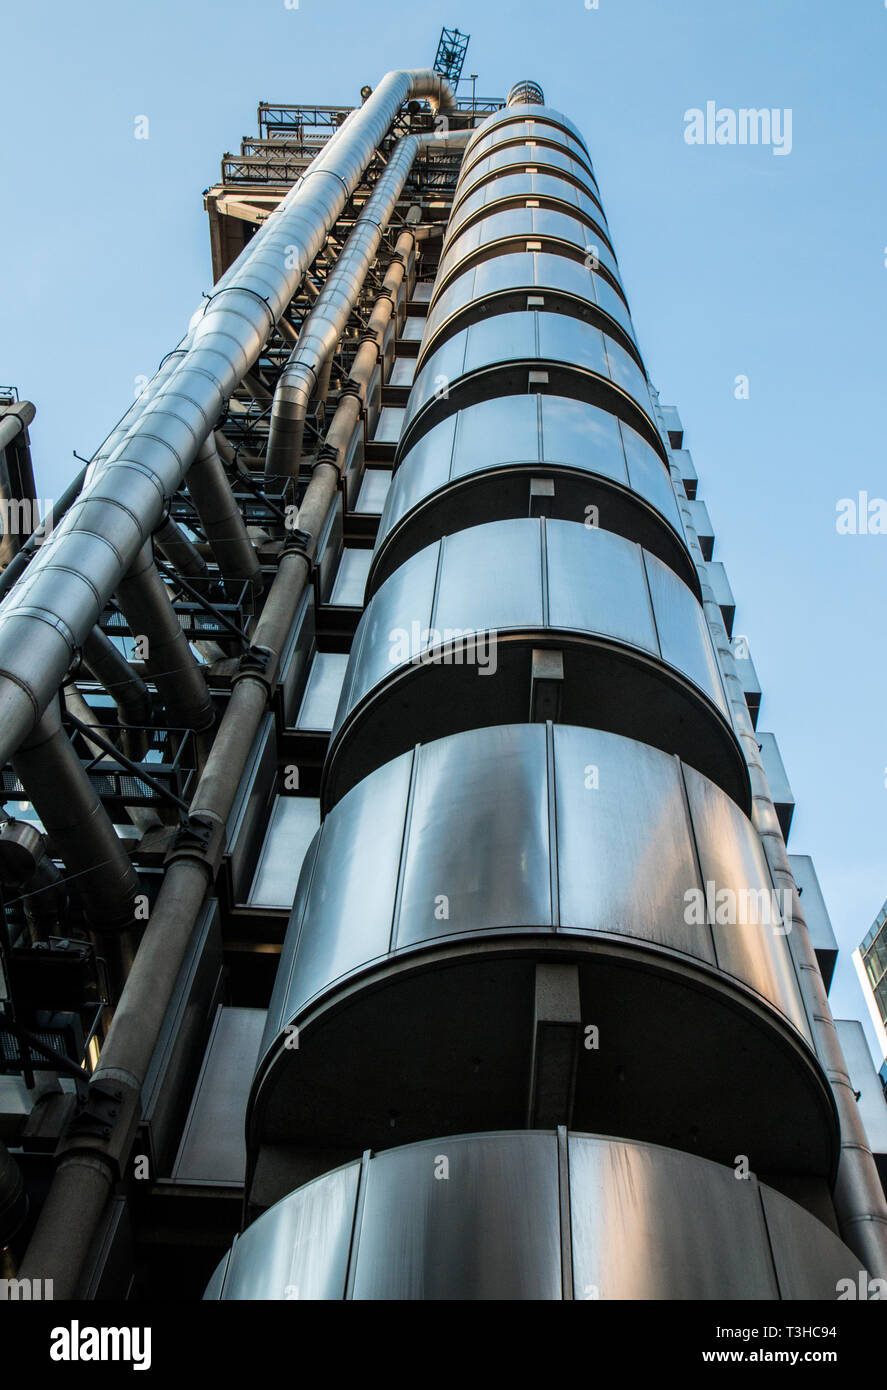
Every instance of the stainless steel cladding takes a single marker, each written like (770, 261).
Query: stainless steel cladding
(447, 643)
(489, 1216)
(436, 886)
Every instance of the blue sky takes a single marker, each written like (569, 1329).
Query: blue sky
(736, 261)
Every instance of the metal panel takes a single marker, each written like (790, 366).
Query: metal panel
(510, 338)
(520, 224)
(809, 1260)
(213, 1149)
(816, 915)
(376, 649)
(625, 853)
(298, 1249)
(597, 583)
(684, 636)
(525, 111)
(322, 691)
(484, 1216)
(750, 938)
(455, 880)
(663, 1225)
(866, 1082)
(488, 1230)
(351, 577)
(525, 159)
(348, 916)
(374, 488)
(474, 563)
(517, 185)
(291, 828)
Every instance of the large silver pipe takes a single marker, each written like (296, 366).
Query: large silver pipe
(62, 593)
(172, 665)
(85, 1176)
(306, 373)
(77, 824)
(127, 689)
(221, 517)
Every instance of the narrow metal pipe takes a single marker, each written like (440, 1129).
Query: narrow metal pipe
(129, 692)
(222, 518)
(77, 824)
(173, 667)
(179, 549)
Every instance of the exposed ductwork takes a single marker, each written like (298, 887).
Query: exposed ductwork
(306, 373)
(62, 593)
(174, 669)
(221, 517)
(77, 824)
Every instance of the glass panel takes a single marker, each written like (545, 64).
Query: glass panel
(351, 577)
(322, 691)
(291, 828)
(374, 490)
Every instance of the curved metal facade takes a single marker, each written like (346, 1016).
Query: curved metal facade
(534, 771)
(489, 1216)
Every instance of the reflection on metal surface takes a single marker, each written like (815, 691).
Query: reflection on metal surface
(514, 353)
(505, 284)
(486, 1216)
(510, 229)
(438, 880)
(445, 618)
(325, 678)
(475, 466)
(291, 828)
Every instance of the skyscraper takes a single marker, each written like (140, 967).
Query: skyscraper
(420, 715)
